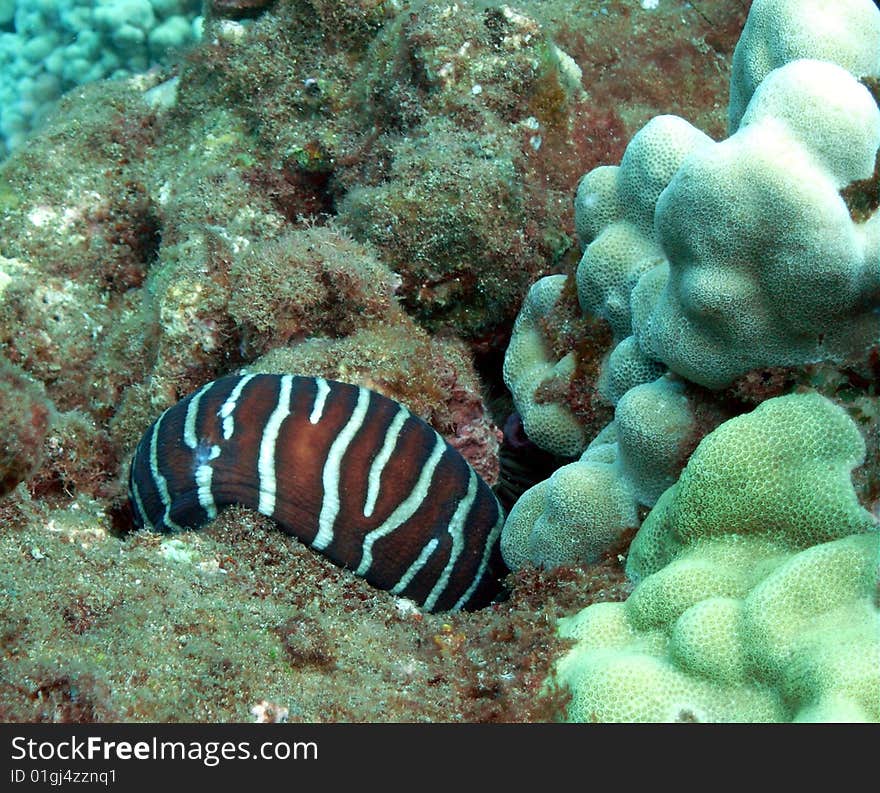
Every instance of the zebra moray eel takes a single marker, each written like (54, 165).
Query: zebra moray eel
(351, 473)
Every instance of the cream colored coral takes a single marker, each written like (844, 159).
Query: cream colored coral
(529, 363)
(844, 32)
(574, 516)
(585, 507)
(614, 211)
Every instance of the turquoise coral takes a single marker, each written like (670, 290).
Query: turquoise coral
(47, 48)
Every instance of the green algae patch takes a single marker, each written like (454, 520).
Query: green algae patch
(240, 622)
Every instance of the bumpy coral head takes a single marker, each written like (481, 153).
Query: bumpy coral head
(766, 265)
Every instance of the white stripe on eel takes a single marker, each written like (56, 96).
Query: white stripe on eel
(158, 479)
(405, 509)
(374, 478)
(330, 474)
(320, 400)
(228, 407)
(456, 531)
(266, 464)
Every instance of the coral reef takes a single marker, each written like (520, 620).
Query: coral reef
(735, 267)
(306, 283)
(163, 203)
(358, 190)
(756, 594)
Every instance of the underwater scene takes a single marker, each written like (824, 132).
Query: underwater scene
(439, 361)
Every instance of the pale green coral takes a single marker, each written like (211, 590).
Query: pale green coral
(530, 362)
(614, 209)
(781, 472)
(626, 367)
(654, 423)
(577, 514)
(758, 574)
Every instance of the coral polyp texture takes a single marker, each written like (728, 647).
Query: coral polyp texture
(757, 578)
(725, 269)
(844, 32)
(766, 266)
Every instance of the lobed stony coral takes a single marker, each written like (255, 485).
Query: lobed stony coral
(781, 471)
(839, 31)
(766, 266)
(721, 262)
(757, 579)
